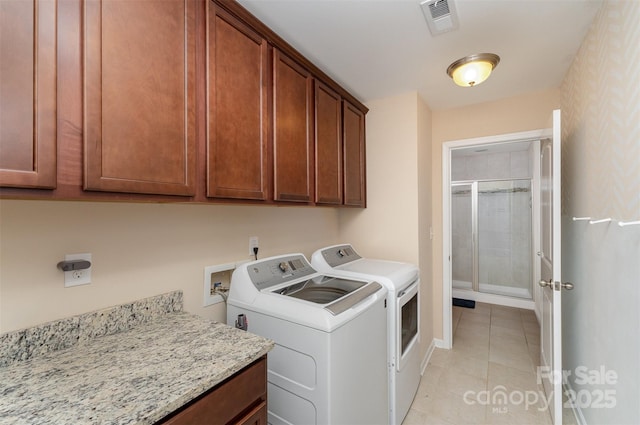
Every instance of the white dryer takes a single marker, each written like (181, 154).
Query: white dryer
(329, 363)
(403, 283)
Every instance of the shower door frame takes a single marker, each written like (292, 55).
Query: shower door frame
(531, 136)
(475, 248)
(475, 230)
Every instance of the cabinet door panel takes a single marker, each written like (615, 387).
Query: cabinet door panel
(354, 156)
(28, 93)
(237, 111)
(328, 144)
(293, 150)
(140, 96)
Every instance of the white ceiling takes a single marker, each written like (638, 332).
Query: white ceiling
(380, 48)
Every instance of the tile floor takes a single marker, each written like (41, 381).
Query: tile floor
(489, 376)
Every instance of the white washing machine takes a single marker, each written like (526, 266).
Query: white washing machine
(403, 283)
(329, 363)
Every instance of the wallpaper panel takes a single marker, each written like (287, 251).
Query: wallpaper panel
(601, 118)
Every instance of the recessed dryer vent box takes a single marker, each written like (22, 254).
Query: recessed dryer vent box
(216, 278)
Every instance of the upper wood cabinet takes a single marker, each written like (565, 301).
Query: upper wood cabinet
(169, 100)
(28, 94)
(292, 134)
(238, 124)
(354, 156)
(328, 145)
(139, 94)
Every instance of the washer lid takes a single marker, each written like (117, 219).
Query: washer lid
(339, 294)
(399, 273)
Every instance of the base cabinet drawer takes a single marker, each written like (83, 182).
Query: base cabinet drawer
(257, 416)
(241, 399)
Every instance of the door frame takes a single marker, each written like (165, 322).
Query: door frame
(447, 147)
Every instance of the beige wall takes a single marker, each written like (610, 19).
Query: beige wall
(531, 111)
(395, 224)
(139, 250)
(387, 228)
(601, 118)
(425, 223)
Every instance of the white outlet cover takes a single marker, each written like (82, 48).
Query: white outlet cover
(253, 243)
(77, 277)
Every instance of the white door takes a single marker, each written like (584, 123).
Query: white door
(550, 273)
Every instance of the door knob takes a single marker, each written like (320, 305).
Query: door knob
(544, 283)
(567, 285)
(539, 254)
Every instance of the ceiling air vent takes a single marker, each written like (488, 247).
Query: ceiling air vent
(440, 15)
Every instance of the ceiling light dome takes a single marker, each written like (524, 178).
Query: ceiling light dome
(473, 69)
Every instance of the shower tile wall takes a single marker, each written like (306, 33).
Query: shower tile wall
(502, 165)
(504, 223)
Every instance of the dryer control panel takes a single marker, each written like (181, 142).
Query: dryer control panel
(339, 255)
(275, 271)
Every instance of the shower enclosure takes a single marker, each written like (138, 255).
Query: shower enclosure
(491, 237)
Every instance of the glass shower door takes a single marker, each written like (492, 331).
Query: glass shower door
(504, 238)
(462, 235)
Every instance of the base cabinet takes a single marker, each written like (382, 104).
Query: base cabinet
(242, 399)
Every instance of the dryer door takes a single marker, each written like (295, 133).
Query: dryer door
(407, 322)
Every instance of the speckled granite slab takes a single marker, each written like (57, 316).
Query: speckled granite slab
(27, 343)
(132, 377)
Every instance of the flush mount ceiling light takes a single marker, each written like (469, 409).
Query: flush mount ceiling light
(473, 69)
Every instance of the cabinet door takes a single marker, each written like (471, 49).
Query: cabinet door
(139, 60)
(28, 93)
(328, 144)
(238, 70)
(292, 141)
(354, 156)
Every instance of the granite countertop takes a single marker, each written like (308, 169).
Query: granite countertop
(136, 376)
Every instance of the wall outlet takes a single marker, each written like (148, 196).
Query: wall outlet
(253, 243)
(77, 277)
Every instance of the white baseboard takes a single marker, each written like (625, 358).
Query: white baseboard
(440, 343)
(577, 411)
(427, 356)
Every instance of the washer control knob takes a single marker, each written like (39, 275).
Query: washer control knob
(341, 253)
(283, 266)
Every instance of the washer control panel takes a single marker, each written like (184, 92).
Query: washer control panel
(275, 271)
(339, 255)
